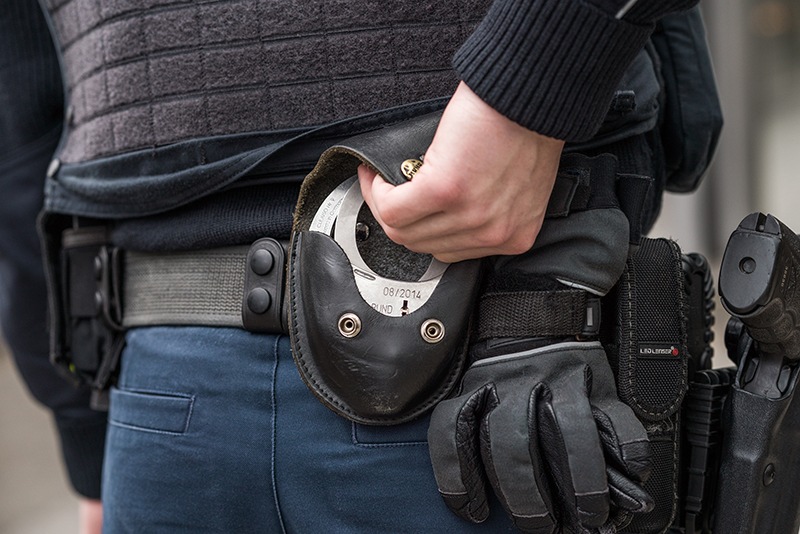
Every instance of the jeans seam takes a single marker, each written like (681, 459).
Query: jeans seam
(145, 429)
(274, 403)
(153, 392)
(387, 445)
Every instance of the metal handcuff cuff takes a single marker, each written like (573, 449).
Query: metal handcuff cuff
(373, 348)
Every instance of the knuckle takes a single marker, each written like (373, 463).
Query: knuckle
(481, 218)
(521, 242)
(515, 249)
(416, 248)
(507, 238)
(500, 232)
(394, 234)
(391, 215)
(447, 193)
(493, 236)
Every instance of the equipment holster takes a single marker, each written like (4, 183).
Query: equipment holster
(758, 485)
(646, 340)
(83, 274)
(758, 284)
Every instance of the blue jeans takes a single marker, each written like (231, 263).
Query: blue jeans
(212, 430)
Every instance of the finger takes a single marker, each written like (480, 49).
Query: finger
(467, 255)
(621, 433)
(453, 437)
(626, 495)
(366, 177)
(463, 243)
(513, 464)
(456, 248)
(406, 203)
(572, 449)
(431, 230)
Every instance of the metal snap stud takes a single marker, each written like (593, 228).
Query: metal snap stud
(261, 262)
(259, 300)
(349, 325)
(432, 331)
(410, 167)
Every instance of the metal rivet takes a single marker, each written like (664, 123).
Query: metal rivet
(52, 169)
(432, 331)
(362, 231)
(259, 300)
(410, 167)
(349, 325)
(769, 475)
(261, 261)
(98, 301)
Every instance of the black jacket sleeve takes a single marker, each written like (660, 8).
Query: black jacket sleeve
(30, 124)
(552, 65)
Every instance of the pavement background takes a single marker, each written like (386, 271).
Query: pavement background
(35, 497)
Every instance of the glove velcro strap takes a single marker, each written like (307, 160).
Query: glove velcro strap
(537, 313)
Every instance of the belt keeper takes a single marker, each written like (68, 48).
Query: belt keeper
(264, 279)
(108, 272)
(591, 324)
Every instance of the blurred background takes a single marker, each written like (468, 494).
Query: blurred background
(756, 50)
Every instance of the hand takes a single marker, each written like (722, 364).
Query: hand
(90, 516)
(482, 190)
(546, 429)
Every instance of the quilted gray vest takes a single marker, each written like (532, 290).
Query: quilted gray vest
(148, 73)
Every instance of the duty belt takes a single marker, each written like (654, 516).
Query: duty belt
(232, 286)
(98, 291)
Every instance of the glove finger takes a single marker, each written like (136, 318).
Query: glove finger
(572, 448)
(623, 437)
(514, 465)
(453, 442)
(626, 495)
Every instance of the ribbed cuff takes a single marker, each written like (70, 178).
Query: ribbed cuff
(82, 445)
(549, 65)
(649, 11)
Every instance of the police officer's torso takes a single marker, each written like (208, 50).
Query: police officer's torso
(164, 97)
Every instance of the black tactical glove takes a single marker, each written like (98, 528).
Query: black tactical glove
(546, 428)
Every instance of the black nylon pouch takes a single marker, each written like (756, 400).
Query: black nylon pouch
(692, 115)
(82, 274)
(646, 342)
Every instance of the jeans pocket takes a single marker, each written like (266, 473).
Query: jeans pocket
(151, 411)
(412, 433)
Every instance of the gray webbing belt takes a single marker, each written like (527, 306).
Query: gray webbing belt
(205, 287)
(187, 288)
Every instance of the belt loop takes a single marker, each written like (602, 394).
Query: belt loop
(108, 272)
